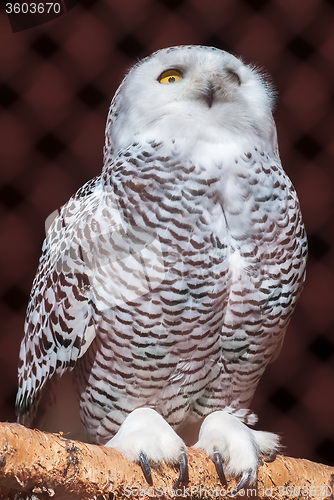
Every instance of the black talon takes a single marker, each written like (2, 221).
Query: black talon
(271, 457)
(146, 468)
(183, 476)
(217, 458)
(243, 481)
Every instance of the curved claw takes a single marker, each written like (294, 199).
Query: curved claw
(243, 481)
(271, 457)
(146, 468)
(217, 458)
(183, 476)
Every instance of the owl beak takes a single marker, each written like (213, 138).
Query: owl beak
(209, 94)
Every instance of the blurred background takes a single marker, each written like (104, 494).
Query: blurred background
(57, 81)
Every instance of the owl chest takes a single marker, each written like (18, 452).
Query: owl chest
(201, 216)
(222, 187)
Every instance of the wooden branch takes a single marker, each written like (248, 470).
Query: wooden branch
(51, 466)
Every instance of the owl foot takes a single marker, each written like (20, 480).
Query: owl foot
(233, 446)
(146, 438)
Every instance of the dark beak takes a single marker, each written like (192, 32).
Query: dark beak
(209, 95)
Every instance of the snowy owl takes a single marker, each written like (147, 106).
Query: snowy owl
(167, 283)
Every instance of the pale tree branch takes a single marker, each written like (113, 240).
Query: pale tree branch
(46, 465)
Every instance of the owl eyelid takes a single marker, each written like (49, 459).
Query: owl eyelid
(234, 77)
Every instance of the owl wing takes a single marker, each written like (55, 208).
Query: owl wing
(267, 269)
(60, 319)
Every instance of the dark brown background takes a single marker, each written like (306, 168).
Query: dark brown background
(58, 81)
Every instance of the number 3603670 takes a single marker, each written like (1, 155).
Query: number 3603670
(33, 8)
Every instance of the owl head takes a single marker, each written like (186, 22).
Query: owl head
(190, 94)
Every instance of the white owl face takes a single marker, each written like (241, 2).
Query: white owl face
(190, 93)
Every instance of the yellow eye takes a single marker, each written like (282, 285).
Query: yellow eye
(170, 76)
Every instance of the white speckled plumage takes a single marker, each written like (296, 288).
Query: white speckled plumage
(168, 282)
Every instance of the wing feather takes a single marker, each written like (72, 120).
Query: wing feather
(59, 326)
